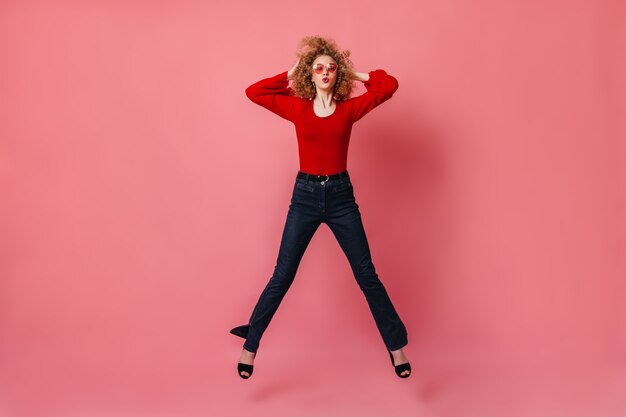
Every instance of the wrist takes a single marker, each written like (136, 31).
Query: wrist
(362, 76)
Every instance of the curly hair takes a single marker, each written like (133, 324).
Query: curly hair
(310, 47)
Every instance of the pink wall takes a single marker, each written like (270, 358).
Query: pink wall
(143, 199)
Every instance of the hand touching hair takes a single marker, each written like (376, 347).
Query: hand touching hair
(310, 47)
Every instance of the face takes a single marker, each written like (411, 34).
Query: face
(326, 78)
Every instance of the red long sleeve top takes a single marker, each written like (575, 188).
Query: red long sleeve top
(322, 141)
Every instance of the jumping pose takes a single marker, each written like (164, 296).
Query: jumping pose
(320, 107)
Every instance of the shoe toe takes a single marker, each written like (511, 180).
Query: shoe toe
(400, 368)
(244, 367)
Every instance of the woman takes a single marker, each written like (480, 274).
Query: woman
(323, 114)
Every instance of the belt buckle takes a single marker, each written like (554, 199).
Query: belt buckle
(327, 178)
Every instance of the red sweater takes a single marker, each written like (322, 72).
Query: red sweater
(322, 141)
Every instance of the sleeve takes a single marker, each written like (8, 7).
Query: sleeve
(274, 94)
(380, 87)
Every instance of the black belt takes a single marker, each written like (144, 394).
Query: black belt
(320, 178)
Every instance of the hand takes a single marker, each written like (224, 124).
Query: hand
(292, 69)
(361, 76)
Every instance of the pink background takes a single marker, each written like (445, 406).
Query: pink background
(143, 200)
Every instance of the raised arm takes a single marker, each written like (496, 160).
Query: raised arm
(274, 94)
(380, 87)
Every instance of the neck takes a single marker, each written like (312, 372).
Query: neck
(324, 98)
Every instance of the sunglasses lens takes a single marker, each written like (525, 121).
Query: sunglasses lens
(319, 68)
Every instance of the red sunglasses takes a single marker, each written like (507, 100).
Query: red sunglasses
(318, 68)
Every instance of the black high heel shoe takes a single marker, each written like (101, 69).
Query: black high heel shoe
(244, 367)
(241, 331)
(400, 368)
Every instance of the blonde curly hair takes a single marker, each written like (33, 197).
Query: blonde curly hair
(310, 47)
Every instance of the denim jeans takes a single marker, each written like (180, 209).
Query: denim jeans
(333, 203)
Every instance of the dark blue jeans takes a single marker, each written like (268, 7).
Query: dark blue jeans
(333, 203)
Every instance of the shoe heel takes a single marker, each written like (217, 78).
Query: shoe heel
(241, 331)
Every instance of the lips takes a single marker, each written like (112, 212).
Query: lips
(325, 79)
